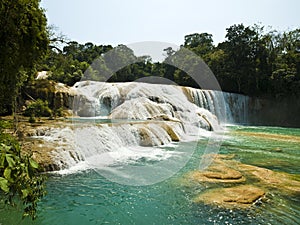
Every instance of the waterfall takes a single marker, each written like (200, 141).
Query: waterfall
(107, 144)
(228, 107)
(237, 107)
(130, 121)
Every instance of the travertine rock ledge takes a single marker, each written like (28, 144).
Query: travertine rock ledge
(227, 183)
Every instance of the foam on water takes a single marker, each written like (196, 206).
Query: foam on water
(126, 122)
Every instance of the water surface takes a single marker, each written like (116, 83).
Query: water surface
(88, 198)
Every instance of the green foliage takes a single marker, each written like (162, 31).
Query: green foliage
(6, 124)
(250, 61)
(69, 71)
(58, 112)
(68, 66)
(31, 119)
(38, 108)
(19, 176)
(201, 44)
(24, 40)
(43, 89)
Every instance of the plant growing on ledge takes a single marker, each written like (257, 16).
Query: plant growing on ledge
(39, 108)
(20, 178)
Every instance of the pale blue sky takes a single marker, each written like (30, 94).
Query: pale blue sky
(124, 22)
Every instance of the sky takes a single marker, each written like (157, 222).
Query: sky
(123, 22)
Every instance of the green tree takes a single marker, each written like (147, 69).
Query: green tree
(169, 70)
(201, 44)
(142, 68)
(239, 49)
(24, 40)
(285, 74)
(119, 60)
(38, 108)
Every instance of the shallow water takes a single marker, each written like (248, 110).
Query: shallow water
(88, 198)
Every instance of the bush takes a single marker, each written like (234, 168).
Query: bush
(6, 124)
(38, 108)
(31, 119)
(19, 176)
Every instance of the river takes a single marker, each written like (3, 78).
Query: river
(87, 197)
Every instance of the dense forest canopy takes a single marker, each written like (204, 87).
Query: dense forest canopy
(250, 61)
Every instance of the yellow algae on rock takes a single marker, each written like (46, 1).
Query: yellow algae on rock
(224, 172)
(241, 196)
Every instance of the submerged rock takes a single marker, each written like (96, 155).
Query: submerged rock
(279, 180)
(238, 196)
(217, 173)
(225, 171)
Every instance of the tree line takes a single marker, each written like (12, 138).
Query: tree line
(251, 61)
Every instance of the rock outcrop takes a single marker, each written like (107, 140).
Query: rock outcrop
(228, 182)
(36, 141)
(55, 144)
(241, 196)
(58, 95)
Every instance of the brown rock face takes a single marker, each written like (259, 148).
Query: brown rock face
(58, 95)
(145, 137)
(42, 153)
(171, 132)
(222, 172)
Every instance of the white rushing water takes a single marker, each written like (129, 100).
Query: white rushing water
(99, 99)
(228, 107)
(139, 118)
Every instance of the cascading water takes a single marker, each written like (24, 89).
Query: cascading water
(228, 107)
(140, 116)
